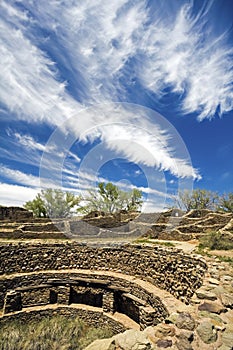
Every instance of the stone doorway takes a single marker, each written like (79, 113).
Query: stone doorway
(87, 296)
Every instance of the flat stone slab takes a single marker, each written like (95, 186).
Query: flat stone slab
(203, 294)
(214, 307)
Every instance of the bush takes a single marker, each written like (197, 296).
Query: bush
(216, 241)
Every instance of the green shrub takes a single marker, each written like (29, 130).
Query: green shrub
(215, 241)
(226, 259)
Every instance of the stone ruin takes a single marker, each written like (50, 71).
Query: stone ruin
(14, 213)
(98, 282)
(101, 277)
(171, 225)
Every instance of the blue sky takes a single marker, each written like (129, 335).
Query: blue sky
(139, 93)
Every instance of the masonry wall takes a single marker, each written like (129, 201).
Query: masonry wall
(168, 269)
(92, 318)
(33, 296)
(110, 294)
(14, 213)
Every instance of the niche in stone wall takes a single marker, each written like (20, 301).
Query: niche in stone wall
(53, 297)
(86, 295)
(34, 296)
(126, 306)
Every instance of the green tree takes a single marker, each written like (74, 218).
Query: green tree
(109, 196)
(53, 203)
(134, 200)
(110, 199)
(37, 206)
(226, 202)
(196, 199)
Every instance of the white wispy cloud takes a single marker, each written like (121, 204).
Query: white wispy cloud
(19, 176)
(136, 134)
(98, 37)
(29, 82)
(15, 195)
(26, 179)
(78, 183)
(94, 42)
(18, 195)
(187, 57)
(178, 51)
(154, 205)
(29, 143)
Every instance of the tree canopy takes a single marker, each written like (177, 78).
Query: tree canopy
(110, 199)
(53, 203)
(196, 199)
(37, 206)
(226, 202)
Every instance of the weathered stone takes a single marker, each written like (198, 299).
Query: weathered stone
(206, 314)
(227, 300)
(150, 334)
(213, 281)
(132, 339)
(214, 307)
(14, 213)
(155, 260)
(164, 330)
(164, 343)
(185, 335)
(170, 269)
(12, 302)
(227, 278)
(203, 294)
(225, 347)
(219, 326)
(184, 340)
(102, 344)
(206, 332)
(182, 320)
(227, 337)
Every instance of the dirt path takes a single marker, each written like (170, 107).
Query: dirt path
(186, 246)
(227, 253)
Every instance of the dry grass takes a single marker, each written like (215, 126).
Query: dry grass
(56, 333)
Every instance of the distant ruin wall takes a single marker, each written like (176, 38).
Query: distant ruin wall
(169, 269)
(14, 213)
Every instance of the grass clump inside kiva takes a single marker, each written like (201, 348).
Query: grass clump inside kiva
(55, 333)
(215, 241)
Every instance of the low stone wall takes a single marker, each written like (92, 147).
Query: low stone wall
(94, 318)
(108, 292)
(192, 225)
(169, 269)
